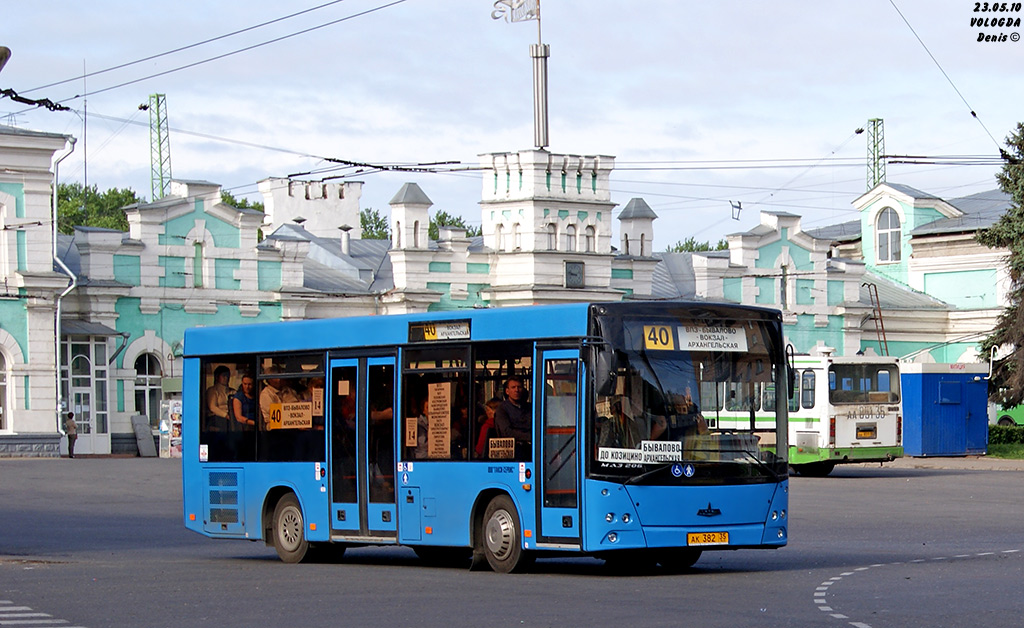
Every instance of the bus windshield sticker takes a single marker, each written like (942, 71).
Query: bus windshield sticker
(712, 338)
(439, 424)
(411, 430)
(661, 450)
(659, 338)
(501, 448)
(650, 452)
(442, 330)
(318, 401)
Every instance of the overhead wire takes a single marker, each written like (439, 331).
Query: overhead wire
(187, 47)
(948, 79)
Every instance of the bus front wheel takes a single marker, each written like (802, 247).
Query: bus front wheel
(815, 469)
(500, 536)
(289, 530)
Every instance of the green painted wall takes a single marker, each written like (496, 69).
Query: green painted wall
(268, 275)
(127, 269)
(174, 271)
(622, 273)
(439, 267)
(22, 239)
(836, 292)
(968, 289)
(224, 274)
(804, 335)
(732, 289)
(225, 235)
(474, 268)
(171, 321)
(805, 292)
(446, 303)
(14, 319)
(17, 190)
(765, 290)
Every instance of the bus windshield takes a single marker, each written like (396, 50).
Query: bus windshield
(661, 384)
(863, 383)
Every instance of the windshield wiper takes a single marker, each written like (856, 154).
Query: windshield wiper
(646, 474)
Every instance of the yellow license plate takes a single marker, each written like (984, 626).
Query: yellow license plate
(707, 538)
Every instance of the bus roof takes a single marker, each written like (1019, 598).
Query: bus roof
(546, 321)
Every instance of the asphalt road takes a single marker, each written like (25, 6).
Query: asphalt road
(99, 542)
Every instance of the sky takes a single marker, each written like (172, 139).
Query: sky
(703, 104)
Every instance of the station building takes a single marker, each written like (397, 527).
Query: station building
(120, 301)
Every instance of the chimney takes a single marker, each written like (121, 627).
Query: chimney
(346, 239)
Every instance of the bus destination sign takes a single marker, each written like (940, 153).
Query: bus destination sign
(438, 331)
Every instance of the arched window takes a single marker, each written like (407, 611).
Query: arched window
(147, 387)
(552, 237)
(570, 238)
(398, 234)
(416, 234)
(517, 237)
(888, 229)
(3, 393)
(499, 238)
(643, 244)
(625, 244)
(588, 240)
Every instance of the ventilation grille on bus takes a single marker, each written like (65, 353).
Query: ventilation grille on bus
(223, 498)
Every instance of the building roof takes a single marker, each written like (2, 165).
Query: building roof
(637, 208)
(981, 211)
(410, 194)
(896, 296)
(842, 232)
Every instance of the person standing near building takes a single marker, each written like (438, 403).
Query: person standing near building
(71, 428)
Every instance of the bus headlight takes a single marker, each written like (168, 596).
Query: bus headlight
(610, 517)
(626, 518)
(613, 537)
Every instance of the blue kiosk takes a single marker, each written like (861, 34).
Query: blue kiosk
(945, 409)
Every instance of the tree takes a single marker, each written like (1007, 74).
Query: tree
(691, 245)
(1007, 377)
(444, 219)
(374, 225)
(78, 206)
(239, 203)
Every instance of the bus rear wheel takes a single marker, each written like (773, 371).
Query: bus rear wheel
(289, 530)
(500, 536)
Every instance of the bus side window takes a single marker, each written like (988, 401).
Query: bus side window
(435, 420)
(807, 389)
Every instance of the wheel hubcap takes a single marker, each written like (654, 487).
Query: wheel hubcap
(500, 534)
(290, 528)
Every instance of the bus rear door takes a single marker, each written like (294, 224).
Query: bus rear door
(558, 481)
(362, 448)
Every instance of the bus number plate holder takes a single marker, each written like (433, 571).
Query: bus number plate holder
(707, 538)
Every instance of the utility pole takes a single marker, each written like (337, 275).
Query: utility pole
(876, 152)
(159, 147)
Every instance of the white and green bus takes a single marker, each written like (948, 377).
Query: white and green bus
(842, 410)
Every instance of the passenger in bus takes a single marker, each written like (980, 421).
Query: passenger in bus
(513, 418)
(243, 404)
(217, 400)
(620, 430)
(486, 427)
(271, 393)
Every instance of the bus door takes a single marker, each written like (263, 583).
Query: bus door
(362, 447)
(558, 474)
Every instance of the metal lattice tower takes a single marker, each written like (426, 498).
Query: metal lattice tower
(159, 146)
(876, 152)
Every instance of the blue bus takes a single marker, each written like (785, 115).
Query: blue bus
(490, 436)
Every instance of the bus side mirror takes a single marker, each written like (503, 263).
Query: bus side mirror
(605, 366)
(790, 370)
